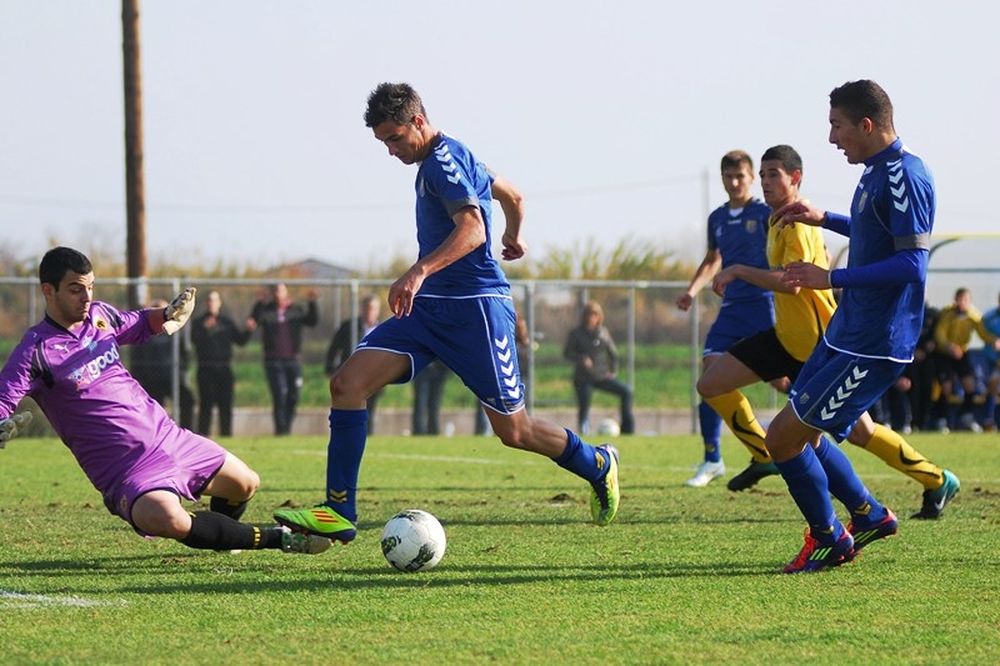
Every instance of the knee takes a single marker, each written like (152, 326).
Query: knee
(247, 486)
(858, 438)
(162, 522)
(340, 387)
(705, 388)
(512, 436)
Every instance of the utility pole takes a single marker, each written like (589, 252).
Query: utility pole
(135, 196)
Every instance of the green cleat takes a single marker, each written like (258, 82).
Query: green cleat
(605, 493)
(320, 520)
(936, 500)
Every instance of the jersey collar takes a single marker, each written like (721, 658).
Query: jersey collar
(894, 150)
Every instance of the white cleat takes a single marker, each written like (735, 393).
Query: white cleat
(705, 473)
(297, 542)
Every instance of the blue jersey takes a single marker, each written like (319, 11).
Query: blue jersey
(449, 179)
(741, 238)
(892, 210)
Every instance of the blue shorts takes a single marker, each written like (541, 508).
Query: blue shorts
(738, 320)
(472, 336)
(835, 388)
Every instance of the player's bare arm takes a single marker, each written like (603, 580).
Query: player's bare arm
(469, 233)
(707, 270)
(800, 211)
(765, 279)
(804, 274)
(512, 204)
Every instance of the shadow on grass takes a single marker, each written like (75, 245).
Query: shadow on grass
(382, 577)
(375, 577)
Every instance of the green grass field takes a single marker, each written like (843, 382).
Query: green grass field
(683, 575)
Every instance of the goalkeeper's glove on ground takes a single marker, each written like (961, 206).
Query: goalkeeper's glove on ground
(179, 311)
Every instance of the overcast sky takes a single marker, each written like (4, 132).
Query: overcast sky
(606, 114)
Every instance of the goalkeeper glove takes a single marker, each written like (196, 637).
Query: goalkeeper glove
(9, 426)
(179, 311)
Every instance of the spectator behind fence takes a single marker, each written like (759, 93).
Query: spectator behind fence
(153, 368)
(214, 334)
(428, 391)
(956, 372)
(922, 372)
(341, 347)
(595, 359)
(281, 321)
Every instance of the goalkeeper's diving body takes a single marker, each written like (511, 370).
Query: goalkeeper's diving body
(142, 462)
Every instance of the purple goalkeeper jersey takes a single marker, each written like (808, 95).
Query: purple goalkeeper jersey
(96, 407)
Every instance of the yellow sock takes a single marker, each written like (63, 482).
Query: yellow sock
(735, 410)
(898, 454)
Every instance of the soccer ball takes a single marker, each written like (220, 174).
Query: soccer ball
(609, 427)
(413, 540)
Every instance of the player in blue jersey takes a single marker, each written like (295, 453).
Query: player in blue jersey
(737, 234)
(454, 304)
(871, 336)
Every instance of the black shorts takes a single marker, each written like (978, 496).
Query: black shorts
(766, 356)
(948, 367)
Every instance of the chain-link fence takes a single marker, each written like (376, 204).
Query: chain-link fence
(659, 349)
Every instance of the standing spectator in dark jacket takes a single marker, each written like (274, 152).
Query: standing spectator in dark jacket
(595, 359)
(153, 367)
(281, 321)
(214, 335)
(342, 346)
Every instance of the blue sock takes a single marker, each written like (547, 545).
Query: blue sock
(711, 431)
(845, 484)
(807, 484)
(581, 458)
(348, 431)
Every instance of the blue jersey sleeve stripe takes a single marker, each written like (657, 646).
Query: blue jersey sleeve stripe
(914, 242)
(455, 205)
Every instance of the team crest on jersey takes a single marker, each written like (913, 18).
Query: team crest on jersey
(751, 226)
(804, 398)
(862, 201)
(101, 324)
(77, 377)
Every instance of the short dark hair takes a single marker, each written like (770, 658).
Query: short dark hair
(788, 156)
(962, 291)
(397, 102)
(58, 261)
(734, 158)
(863, 99)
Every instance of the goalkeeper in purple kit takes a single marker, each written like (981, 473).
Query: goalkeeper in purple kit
(142, 462)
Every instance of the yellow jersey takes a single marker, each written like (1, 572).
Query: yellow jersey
(800, 319)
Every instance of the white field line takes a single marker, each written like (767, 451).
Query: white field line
(10, 599)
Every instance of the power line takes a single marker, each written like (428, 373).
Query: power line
(75, 204)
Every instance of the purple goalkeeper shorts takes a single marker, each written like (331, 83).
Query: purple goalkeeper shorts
(183, 464)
